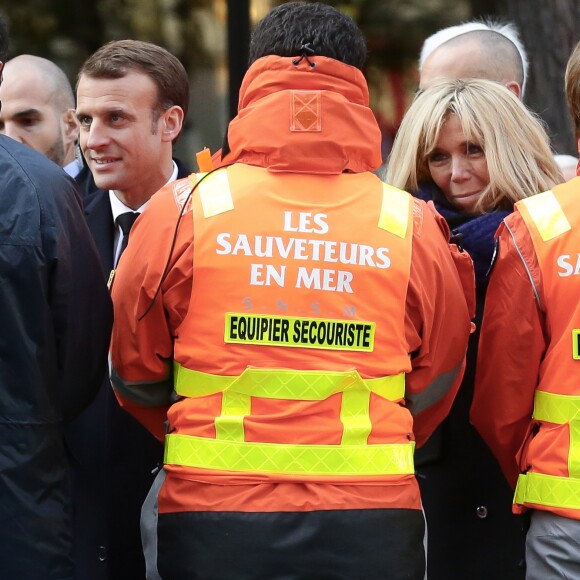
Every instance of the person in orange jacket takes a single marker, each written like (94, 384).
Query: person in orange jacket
(526, 397)
(291, 327)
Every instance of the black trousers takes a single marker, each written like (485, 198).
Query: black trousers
(382, 544)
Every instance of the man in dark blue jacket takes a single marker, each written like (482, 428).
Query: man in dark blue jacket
(55, 320)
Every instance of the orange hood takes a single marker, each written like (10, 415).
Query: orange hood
(299, 118)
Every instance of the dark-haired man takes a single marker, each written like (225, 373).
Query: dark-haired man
(132, 98)
(55, 321)
(303, 315)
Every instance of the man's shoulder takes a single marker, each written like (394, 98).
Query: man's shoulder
(95, 200)
(22, 162)
(175, 197)
(86, 184)
(34, 189)
(568, 191)
(27, 174)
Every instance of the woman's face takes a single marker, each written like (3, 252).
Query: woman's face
(458, 166)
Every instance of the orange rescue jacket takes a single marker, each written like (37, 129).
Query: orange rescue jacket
(550, 457)
(286, 342)
(298, 206)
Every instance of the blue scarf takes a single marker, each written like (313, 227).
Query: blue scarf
(474, 233)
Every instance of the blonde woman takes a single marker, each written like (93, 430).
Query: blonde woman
(472, 148)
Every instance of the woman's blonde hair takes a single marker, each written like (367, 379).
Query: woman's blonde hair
(517, 148)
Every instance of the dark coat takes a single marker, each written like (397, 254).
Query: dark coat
(114, 457)
(472, 533)
(55, 323)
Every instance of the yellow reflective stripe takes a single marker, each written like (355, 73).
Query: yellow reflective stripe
(546, 213)
(190, 383)
(394, 217)
(576, 343)
(390, 388)
(230, 424)
(200, 452)
(555, 408)
(354, 416)
(215, 193)
(574, 453)
(548, 490)
(562, 409)
(285, 384)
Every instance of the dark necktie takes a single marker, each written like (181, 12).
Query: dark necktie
(125, 221)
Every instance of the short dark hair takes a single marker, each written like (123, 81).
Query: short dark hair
(328, 32)
(4, 38)
(117, 58)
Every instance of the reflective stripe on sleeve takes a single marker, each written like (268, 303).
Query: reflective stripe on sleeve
(432, 394)
(146, 394)
(561, 410)
(555, 408)
(548, 490)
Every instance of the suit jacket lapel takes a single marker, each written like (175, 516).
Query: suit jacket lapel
(100, 221)
(99, 215)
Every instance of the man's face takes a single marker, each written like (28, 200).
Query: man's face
(121, 138)
(28, 114)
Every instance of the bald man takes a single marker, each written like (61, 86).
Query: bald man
(483, 50)
(484, 54)
(38, 109)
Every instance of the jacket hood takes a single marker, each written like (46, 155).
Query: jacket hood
(303, 118)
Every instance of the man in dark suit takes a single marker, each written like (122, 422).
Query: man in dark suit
(132, 98)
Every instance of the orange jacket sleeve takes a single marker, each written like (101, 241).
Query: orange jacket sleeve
(437, 324)
(149, 308)
(510, 347)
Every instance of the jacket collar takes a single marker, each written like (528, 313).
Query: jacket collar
(299, 118)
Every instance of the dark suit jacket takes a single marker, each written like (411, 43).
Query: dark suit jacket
(112, 455)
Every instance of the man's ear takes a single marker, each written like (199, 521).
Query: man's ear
(70, 125)
(172, 121)
(515, 88)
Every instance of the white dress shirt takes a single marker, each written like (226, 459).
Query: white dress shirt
(118, 207)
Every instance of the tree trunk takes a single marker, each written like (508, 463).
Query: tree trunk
(549, 30)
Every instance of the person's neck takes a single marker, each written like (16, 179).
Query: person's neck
(68, 159)
(135, 198)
